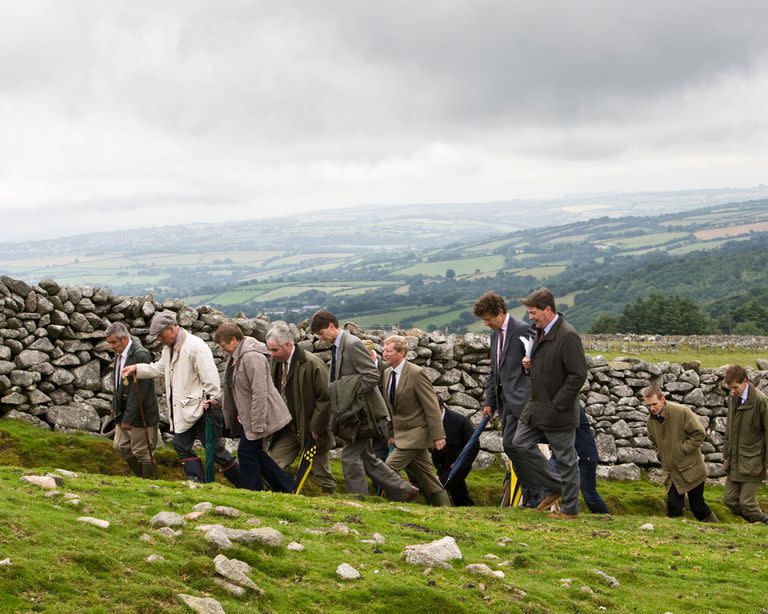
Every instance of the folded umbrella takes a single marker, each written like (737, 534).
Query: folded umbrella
(305, 465)
(461, 459)
(210, 448)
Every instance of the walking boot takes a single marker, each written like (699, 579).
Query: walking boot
(232, 473)
(193, 469)
(148, 471)
(439, 499)
(135, 465)
(710, 518)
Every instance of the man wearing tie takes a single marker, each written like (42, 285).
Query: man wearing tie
(507, 387)
(136, 416)
(745, 450)
(416, 425)
(558, 370)
(349, 358)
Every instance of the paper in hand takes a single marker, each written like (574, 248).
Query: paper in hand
(528, 345)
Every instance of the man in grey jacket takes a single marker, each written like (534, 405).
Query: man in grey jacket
(558, 370)
(350, 358)
(190, 373)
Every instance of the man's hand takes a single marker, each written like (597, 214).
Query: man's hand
(207, 404)
(487, 410)
(125, 426)
(314, 436)
(439, 444)
(526, 362)
(391, 442)
(129, 370)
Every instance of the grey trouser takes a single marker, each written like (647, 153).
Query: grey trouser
(133, 443)
(741, 499)
(419, 461)
(535, 471)
(355, 471)
(285, 447)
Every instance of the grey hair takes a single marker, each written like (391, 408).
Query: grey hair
(280, 333)
(119, 330)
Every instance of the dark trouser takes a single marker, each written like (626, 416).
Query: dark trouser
(184, 442)
(676, 502)
(536, 471)
(509, 422)
(458, 486)
(256, 466)
(587, 485)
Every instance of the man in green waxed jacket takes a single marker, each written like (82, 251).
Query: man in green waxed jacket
(745, 450)
(302, 380)
(677, 434)
(136, 431)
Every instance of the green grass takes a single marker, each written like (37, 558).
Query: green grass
(58, 565)
(709, 358)
(651, 240)
(461, 266)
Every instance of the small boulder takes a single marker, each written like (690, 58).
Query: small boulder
(347, 572)
(166, 519)
(436, 553)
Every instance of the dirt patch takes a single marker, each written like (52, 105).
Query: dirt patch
(730, 231)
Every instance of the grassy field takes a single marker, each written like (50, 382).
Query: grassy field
(60, 566)
(651, 240)
(709, 358)
(461, 266)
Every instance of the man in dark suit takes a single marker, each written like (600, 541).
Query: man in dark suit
(507, 388)
(416, 426)
(458, 430)
(558, 371)
(350, 358)
(135, 420)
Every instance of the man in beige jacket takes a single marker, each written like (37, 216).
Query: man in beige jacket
(677, 435)
(417, 424)
(190, 373)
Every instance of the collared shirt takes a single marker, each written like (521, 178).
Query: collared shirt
(287, 364)
(397, 372)
(743, 397)
(120, 361)
(549, 326)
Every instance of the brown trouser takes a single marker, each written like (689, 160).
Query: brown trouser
(419, 461)
(133, 443)
(741, 499)
(284, 449)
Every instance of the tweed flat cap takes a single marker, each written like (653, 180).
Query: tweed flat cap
(161, 321)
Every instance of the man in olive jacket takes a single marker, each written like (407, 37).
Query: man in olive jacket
(558, 370)
(416, 425)
(677, 435)
(302, 380)
(745, 450)
(135, 427)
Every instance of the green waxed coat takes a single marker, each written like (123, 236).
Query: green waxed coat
(678, 441)
(746, 437)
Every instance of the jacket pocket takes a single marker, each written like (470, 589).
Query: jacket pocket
(691, 471)
(751, 460)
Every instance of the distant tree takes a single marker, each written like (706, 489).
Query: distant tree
(605, 323)
(450, 274)
(664, 315)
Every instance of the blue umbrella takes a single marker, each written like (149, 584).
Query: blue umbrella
(461, 459)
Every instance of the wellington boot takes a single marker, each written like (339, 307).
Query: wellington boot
(148, 471)
(710, 518)
(232, 473)
(439, 499)
(134, 465)
(193, 469)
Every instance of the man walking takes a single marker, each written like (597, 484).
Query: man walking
(190, 373)
(134, 404)
(458, 431)
(558, 370)
(507, 387)
(351, 366)
(416, 426)
(746, 445)
(677, 436)
(302, 380)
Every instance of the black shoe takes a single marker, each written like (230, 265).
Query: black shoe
(148, 471)
(135, 466)
(193, 469)
(232, 473)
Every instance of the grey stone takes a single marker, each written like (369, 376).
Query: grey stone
(620, 429)
(434, 554)
(88, 376)
(43, 481)
(61, 377)
(166, 519)
(201, 605)
(481, 569)
(96, 522)
(695, 397)
(24, 378)
(27, 419)
(235, 571)
(627, 472)
(606, 447)
(27, 358)
(229, 512)
(347, 572)
(680, 387)
(78, 416)
(14, 398)
(609, 580)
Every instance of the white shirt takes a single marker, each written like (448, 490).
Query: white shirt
(551, 324)
(120, 361)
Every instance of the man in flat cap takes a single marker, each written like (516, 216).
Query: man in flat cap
(191, 376)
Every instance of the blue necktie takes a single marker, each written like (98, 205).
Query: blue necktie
(392, 386)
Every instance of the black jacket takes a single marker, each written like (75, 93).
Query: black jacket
(458, 430)
(124, 402)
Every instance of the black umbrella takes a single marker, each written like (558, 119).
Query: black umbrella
(461, 459)
(305, 466)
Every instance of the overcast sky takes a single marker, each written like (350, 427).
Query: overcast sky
(141, 113)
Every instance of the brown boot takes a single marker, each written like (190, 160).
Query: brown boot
(135, 465)
(148, 471)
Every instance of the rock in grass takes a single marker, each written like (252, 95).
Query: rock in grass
(232, 589)
(609, 580)
(217, 536)
(228, 512)
(203, 506)
(96, 522)
(194, 515)
(436, 553)
(201, 605)
(376, 538)
(295, 547)
(646, 527)
(166, 519)
(5, 562)
(235, 571)
(168, 533)
(67, 474)
(347, 572)
(483, 570)
(154, 558)
(43, 481)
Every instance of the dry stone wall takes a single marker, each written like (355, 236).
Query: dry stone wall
(56, 370)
